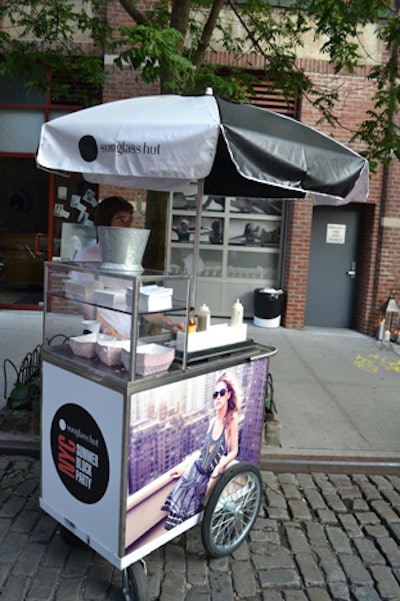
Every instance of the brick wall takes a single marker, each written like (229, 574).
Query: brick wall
(379, 271)
(389, 269)
(299, 221)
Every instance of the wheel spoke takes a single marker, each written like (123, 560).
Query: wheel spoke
(234, 510)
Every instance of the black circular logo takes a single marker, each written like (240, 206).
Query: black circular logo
(79, 453)
(88, 148)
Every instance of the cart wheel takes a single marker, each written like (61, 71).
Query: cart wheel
(231, 509)
(134, 582)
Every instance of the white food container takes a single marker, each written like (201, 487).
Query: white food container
(109, 297)
(150, 359)
(155, 298)
(82, 290)
(85, 345)
(109, 351)
(217, 335)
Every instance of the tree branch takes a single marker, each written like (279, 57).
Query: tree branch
(207, 32)
(132, 10)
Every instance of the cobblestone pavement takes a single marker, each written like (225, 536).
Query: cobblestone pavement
(318, 537)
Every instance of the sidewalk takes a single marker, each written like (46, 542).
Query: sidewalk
(336, 391)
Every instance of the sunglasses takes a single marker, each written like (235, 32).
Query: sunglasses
(221, 392)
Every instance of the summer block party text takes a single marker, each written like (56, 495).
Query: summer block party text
(76, 461)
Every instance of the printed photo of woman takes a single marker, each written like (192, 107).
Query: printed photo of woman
(218, 449)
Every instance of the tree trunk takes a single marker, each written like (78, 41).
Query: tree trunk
(156, 222)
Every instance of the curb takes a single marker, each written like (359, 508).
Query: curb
(26, 447)
(332, 464)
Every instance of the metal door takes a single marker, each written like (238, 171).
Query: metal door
(332, 276)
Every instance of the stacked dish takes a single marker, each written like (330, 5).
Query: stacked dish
(109, 351)
(85, 345)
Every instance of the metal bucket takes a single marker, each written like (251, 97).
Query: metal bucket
(122, 248)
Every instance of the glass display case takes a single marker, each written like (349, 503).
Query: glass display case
(114, 324)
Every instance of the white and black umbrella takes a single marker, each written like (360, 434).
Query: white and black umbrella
(232, 149)
(163, 142)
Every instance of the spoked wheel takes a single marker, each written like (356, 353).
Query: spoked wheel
(134, 582)
(232, 509)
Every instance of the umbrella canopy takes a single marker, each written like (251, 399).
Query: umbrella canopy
(163, 142)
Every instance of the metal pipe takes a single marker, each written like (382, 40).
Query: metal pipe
(196, 242)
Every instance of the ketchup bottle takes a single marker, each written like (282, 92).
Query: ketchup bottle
(192, 321)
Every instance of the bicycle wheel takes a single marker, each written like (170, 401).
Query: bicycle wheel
(231, 509)
(134, 582)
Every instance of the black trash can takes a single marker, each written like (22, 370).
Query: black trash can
(269, 304)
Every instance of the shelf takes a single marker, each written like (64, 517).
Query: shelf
(127, 309)
(240, 246)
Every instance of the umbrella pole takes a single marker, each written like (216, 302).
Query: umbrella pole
(196, 242)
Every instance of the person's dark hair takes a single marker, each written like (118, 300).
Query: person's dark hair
(107, 208)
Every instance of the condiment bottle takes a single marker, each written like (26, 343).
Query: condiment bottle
(203, 318)
(237, 313)
(192, 321)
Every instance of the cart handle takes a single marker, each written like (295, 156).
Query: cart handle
(268, 352)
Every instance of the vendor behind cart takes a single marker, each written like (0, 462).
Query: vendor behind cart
(116, 211)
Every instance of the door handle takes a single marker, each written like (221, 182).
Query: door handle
(352, 272)
(38, 252)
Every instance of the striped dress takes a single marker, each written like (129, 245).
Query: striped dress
(186, 497)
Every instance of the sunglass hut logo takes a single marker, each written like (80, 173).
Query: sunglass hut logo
(89, 148)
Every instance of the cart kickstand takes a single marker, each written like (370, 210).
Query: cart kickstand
(134, 582)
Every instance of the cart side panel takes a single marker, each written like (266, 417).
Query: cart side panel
(82, 426)
(167, 427)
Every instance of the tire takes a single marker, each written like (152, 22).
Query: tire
(134, 582)
(232, 509)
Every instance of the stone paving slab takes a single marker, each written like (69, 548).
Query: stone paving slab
(318, 537)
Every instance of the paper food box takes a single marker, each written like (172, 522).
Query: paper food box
(81, 289)
(155, 298)
(150, 358)
(109, 297)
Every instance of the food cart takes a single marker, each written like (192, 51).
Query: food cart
(114, 424)
(118, 416)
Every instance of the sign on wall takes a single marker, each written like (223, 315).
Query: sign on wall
(335, 233)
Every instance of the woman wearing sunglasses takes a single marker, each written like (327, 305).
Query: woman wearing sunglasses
(218, 449)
